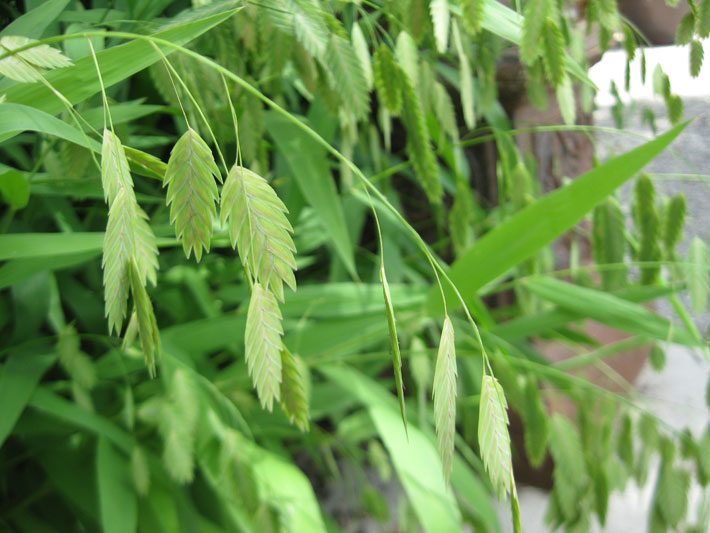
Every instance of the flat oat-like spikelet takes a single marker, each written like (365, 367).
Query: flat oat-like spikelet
(388, 79)
(472, 15)
(444, 392)
(262, 346)
(493, 436)
(346, 76)
(119, 248)
(145, 316)
(192, 192)
(294, 389)
(130, 252)
(115, 172)
(419, 147)
(258, 227)
(28, 65)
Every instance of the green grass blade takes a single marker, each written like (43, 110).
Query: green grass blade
(610, 310)
(117, 500)
(16, 271)
(33, 23)
(31, 245)
(529, 325)
(18, 379)
(309, 167)
(79, 82)
(67, 411)
(537, 225)
(416, 460)
(336, 300)
(28, 245)
(16, 118)
(473, 495)
(288, 489)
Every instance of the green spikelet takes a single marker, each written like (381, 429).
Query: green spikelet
(147, 325)
(75, 362)
(625, 442)
(609, 243)
(686, 29)
(445, 113)
(472, 15)
(675, 106)
(629, 42)
(608, 13)
(388, 79)
(256, 220)
(696, 58)
(263, 347)
(394, 344)
(703, 19)
(444, 393)
(533, 23)
(192, 192)
(648, 228)
(494, 437)
(536, 86)
(419, 146)
(536, 426)
(553, 52)
(294, 389)
(29, 64)
(657, 358)
(674, 221)
(346, 76)
(461, 218)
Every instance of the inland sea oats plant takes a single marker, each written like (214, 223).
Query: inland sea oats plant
(199, 342)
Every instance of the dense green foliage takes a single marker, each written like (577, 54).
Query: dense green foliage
(244, 258)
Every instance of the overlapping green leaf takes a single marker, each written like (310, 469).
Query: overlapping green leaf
(698, 274)
(117, 501)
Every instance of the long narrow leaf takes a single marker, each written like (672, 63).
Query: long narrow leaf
(537, 225)
(117, 63)
(18, 378)
(33, 23)
(610, 310)
(416, 461)
(309, 167)
(117, 499)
